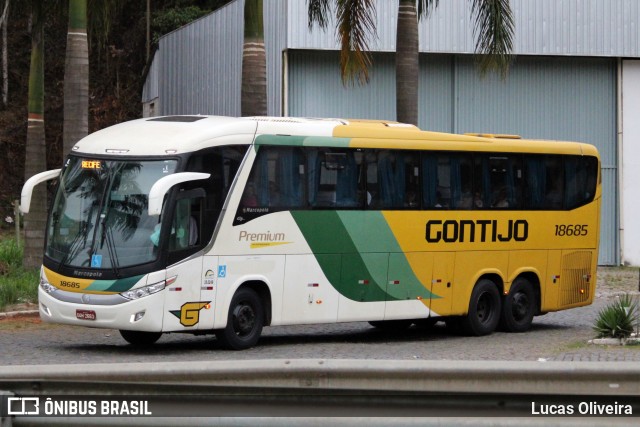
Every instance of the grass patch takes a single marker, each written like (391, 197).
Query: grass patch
(17, 285)
(576, 345)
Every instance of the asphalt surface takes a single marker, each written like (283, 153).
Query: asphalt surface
(554, 336)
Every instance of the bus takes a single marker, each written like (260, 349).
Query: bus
(219, 225)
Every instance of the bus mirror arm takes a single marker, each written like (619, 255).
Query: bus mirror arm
(27, 188)
(163, 185)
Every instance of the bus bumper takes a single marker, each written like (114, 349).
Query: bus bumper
(143, 314)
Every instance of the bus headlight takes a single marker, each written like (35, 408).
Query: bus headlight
(144, 291)
(45, 285)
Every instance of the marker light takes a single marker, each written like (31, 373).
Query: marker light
(144, 291)
(45, 285)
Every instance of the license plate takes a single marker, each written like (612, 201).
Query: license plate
(86, 314)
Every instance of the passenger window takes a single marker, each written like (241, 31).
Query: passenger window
(435, 169)
(334, 178)
(393, 179)
(581, 174)
(462, 188)
(276, 181)
(505, 181)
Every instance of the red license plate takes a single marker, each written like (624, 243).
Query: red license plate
(86, 314)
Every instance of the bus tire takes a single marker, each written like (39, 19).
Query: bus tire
(518, 307)
(139, 338)
(484, 309)
(245, 321)
(389, 325)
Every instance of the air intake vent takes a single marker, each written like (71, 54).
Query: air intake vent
(575, 284)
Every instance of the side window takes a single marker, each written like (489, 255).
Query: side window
(186, 226)
(581, 174)
(554, 182)
(393, 180)
(334, 178)
(276, 180)
(505, 181)
(436, 180)
(462, 186)
(543, 182)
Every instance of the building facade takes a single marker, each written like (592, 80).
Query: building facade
(576, 77)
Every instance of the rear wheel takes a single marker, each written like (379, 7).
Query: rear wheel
(518, 307)
(140, 339)
(245, 321)
(484, 309)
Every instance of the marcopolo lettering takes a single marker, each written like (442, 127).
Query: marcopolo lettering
(481, 230)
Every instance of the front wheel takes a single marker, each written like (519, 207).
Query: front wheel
(140, 339)
(518, 307)
(484, 309)
(245, 321)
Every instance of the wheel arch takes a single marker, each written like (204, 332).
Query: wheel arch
(258, 284)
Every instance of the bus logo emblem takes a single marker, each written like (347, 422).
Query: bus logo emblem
(189, 313)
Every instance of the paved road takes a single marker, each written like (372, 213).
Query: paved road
(555, 336)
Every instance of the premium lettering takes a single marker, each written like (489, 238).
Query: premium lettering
(482, 230)
(260, 237)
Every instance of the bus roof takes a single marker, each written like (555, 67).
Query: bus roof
(181, 134)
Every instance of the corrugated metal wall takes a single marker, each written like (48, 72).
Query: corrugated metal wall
(543, 27)
(546, 98)
(200, 65)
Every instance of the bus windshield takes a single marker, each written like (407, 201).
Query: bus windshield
(99, 217)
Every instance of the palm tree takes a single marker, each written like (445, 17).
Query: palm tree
(76, 77)
(254, 62)
(493, 29)
(355, 23)
(35, 160)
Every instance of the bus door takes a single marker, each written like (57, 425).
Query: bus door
(183, 302)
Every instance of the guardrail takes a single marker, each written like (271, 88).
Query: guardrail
(356, 389)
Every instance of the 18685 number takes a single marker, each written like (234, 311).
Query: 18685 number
(572, 230)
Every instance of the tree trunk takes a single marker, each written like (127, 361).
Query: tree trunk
(254, 62)
(5, 60)
(35, 160)
(76, 77)
(407, 64)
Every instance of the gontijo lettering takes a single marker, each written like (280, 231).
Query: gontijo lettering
(482, 229)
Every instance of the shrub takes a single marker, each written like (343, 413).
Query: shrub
(618, 319)
(17, 285)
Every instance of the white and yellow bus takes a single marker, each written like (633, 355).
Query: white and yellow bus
(222, 225)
